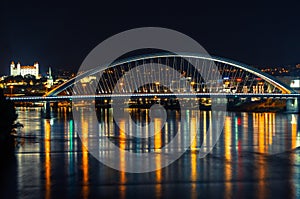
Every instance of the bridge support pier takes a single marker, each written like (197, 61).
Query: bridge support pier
(47, 110)
(292, 105)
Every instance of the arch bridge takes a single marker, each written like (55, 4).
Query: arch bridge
(185, 74)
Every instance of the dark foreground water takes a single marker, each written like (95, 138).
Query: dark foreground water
(256, 156)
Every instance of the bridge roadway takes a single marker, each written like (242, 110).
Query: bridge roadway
(151, 95)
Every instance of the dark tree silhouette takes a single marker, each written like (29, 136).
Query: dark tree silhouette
(7, 118)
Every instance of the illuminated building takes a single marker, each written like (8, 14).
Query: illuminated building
(24, 70)
(295, 84)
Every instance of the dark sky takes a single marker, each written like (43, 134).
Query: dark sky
(61, 34)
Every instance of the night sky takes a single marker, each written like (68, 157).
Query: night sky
(61, 34)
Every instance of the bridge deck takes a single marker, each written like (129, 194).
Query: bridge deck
(150, 95)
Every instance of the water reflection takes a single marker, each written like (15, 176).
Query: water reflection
(122, 146)
(85, 161)
(47, 159)
(255, 157)
(228, 146)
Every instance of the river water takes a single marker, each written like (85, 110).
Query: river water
(256, 156)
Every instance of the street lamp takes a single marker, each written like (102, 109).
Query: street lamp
(11, 89)
(192, 85)
(121, 86)
(157, 86)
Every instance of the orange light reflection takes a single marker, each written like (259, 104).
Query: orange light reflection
(85, 160)
(47, 159)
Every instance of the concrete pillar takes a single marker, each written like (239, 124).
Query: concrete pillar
(47, 110)
(292, 105)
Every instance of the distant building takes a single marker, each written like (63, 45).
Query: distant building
(24, 70)
(295, 84)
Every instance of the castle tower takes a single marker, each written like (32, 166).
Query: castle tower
(12, 68)
(36, 65)
(18, 68)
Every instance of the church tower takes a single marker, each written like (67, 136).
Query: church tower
(50, 79)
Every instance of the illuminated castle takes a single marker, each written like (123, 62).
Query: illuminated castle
(24, 70)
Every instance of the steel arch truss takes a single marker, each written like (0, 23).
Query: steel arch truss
(198, 74)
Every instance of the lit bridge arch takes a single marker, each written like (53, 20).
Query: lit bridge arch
(235, 77)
